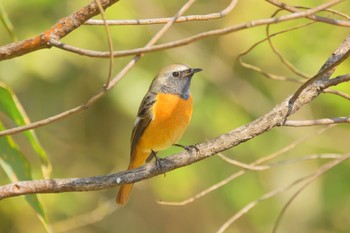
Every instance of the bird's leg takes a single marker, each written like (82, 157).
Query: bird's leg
(188, 148)
(154, 155)
(158, 160)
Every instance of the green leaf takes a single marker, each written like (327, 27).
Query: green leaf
(17, 167)
(12, 160)
(10, 106)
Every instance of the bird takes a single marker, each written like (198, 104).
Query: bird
(162, 118)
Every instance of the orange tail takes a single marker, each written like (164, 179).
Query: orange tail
(124, 193)
(125, 190)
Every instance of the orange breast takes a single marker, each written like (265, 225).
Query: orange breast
(172, 115)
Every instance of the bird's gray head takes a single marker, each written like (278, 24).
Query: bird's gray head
(174, 79)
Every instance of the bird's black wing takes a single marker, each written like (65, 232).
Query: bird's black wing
(144, 117)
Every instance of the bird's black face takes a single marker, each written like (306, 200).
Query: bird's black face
(175, 79)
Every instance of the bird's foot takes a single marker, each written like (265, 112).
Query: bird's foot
(158, 160)
(189, 148)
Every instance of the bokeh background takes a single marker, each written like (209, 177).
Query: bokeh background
(226, 96)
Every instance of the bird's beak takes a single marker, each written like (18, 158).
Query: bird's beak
(194, 70)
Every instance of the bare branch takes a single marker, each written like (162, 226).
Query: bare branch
(275, 164)
(324, 121)
(243, 165)
(337, 57)
(338, 93)
(313, 17)
(181, 19)
(110, 43)
(268, 38)
(62, 28)
(278, 54)
(340, 79)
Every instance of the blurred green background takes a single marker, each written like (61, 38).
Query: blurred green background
(226, 96)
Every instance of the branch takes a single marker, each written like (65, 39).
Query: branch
(209, 148)
(282, 59)
(343, 23)
(324, 121)
(323, 76)
(62, 28)
(181, 19)
(338, 93)
(253, 167)
(194, 38)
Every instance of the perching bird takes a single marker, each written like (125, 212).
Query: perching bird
(163, 116)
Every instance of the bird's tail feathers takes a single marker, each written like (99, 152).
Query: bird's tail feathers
(125, 189)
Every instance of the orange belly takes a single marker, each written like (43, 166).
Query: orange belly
(172, 115)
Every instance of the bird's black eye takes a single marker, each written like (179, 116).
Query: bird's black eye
(176, 74)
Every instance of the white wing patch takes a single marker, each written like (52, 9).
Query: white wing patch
(137, 120)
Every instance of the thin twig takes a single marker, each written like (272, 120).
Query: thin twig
(343, 23)
(275, 164)
(341, 78)
(338, 93)
(283, 60)
(110, 43)
(180, 19)
(340, 55)
(242, 165)
(258, 69)
(324, 121)
(278, 54)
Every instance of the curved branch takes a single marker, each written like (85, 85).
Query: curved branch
(323, 76)
(181, 19)
(324, 121)
(338, 93)
(343, 23)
